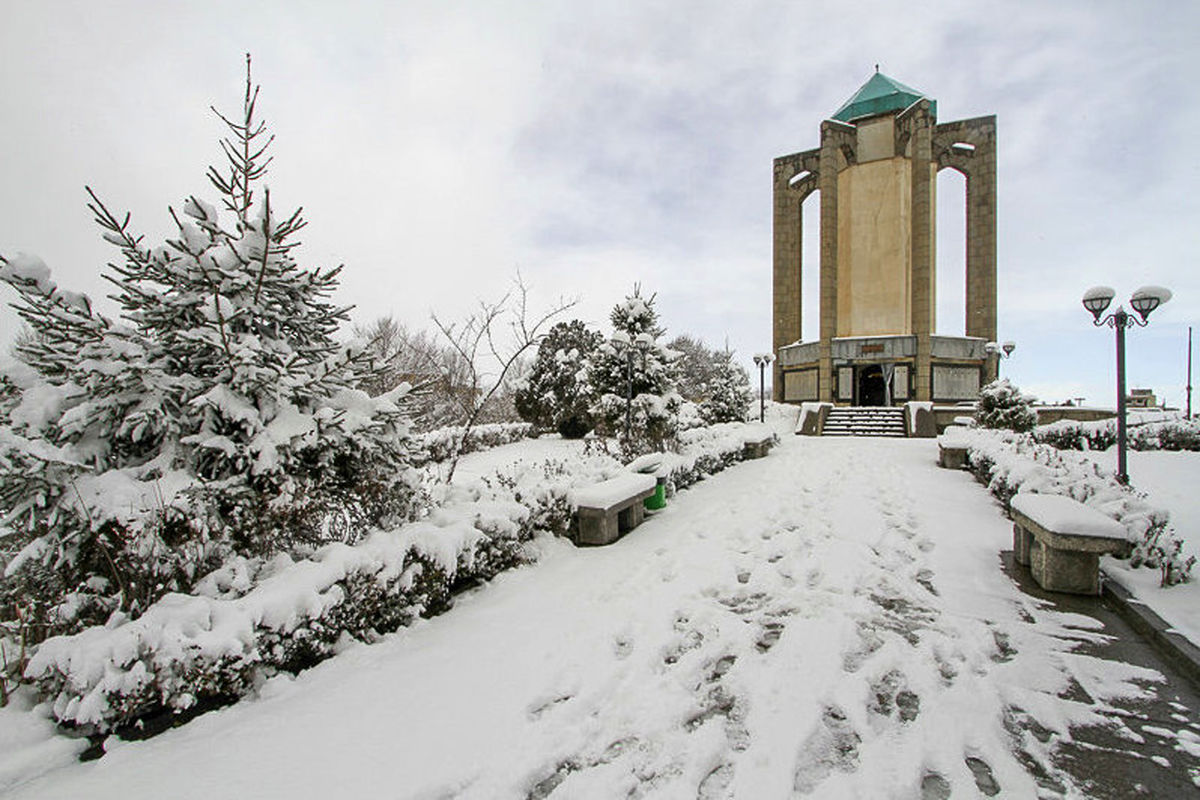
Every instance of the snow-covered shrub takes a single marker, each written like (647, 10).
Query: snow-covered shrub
(689, 416)
(255, 617)
(730, 396)
(1009, 463)
(707, 451)
(439, 445)
(718, 385)
(1168, 434)
(189, 649)
(556, 394)
(219, 413)
(633, 380)
(1001, 405)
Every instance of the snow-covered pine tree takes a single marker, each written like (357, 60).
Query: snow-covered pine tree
(1002, 405)
(219, 414)
(694, 368)
(556, 394)
(729, 394)
(635, 362)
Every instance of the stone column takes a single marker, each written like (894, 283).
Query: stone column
(981, 232)
(922, 246)
(787, 266)
(827, 181)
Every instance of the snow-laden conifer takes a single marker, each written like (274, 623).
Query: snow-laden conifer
(632, 376)
(1002, 405)
(556, 394)
(218, 412)
(729, 393)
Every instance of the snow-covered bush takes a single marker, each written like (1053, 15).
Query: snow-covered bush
(255, 616)
(190, 649)
(1169, 434)
(729, 395)
(1001, 405)
(1009, 463)
(219, 413)
(707, 451)
(556, 394)
(634, 364)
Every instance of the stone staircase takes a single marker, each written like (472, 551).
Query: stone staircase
(864, 421)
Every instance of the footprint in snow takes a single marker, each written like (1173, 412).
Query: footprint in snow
(925, 578)
(770, 635)
(715, 784)
(539, 708)
(985, 781)
(891, 695)
(1004, 651)
(833, 745)
(934, 787)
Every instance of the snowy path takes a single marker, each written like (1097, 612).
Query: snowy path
(832, 620)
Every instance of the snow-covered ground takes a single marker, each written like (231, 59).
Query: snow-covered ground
(1170, 480)
(832, 620)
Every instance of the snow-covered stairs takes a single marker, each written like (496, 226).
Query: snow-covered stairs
(864, 421)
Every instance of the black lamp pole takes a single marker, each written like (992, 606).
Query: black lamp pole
(1144, 301)
(762, 360)
(628, 391)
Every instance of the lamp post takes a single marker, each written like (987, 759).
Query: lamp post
(761, 360)
(1143, 301)
(1000, 351)
(640, 343)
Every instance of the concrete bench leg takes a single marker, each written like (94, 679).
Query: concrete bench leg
(1022, 544)
(597, 527)
(1065, 570)
(629, 518)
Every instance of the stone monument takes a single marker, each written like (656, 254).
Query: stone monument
(876, 171)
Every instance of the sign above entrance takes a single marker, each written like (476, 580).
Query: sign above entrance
(867, 349)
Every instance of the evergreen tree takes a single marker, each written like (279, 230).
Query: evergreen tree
(1002, 405)
(220, 407)
(634, 364)
(729, 394)
(695, 368)
(556, 394)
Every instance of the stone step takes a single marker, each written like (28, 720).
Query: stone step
(864, 421)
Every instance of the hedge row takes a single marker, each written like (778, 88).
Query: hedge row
(1008, 463)
(1173, 434)
(256, 619)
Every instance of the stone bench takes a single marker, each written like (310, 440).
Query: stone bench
(1061, 541)
(757, 443)
(612, 507)
(952, 450)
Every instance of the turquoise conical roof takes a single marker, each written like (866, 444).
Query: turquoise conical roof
(878, 95)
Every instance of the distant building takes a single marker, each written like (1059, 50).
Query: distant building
(876, 172)
(1141, 398)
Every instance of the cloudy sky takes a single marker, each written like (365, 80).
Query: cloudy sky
(438, 147)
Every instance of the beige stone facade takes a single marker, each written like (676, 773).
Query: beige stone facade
(876, 173)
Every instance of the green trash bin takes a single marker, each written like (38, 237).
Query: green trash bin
(659, 499)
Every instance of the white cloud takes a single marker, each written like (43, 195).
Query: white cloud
(436, 147)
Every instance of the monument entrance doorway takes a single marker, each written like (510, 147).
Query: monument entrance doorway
(872, 389)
